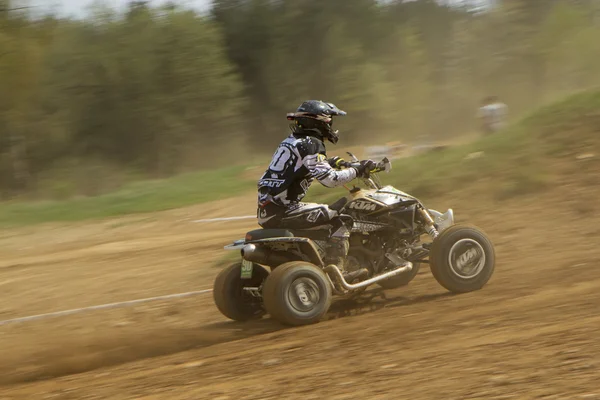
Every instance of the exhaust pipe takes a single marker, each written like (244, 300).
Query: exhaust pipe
(249, 252)
(340, 278)
(261, 255)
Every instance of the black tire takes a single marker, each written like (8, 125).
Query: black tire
(445, 250)
(285, 305)
(229, 296)
(402, 279)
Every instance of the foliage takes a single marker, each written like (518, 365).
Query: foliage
(158, 91)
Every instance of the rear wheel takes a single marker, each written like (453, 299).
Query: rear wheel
(462, 259)
(230, 297)
(297, 293)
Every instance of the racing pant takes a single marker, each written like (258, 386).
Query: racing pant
(310, 216)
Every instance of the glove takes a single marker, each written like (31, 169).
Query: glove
(338, 162)
(364, 167)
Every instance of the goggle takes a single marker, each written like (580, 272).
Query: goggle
(327, 120)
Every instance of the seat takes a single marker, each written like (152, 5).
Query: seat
(259, 234)
(314, 234)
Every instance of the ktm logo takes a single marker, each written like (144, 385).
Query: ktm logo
(363, 205)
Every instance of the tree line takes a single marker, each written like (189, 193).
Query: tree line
(86, 104)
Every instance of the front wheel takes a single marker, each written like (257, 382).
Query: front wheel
(297, 293)
(230, 297)
(462, 259)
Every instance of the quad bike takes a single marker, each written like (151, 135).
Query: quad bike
(282, 272)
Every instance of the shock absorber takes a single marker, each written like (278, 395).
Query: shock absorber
(429, 223)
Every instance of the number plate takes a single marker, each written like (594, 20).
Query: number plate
(246, 270)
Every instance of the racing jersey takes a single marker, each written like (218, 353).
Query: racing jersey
(297, 162)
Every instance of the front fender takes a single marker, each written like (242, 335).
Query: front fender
(442, 221)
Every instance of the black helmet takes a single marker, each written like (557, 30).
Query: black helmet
(315, 118)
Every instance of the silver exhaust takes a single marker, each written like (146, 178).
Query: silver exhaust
(248, 251)
(263, 255)
(347, 286)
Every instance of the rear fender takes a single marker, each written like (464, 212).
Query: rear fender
(306, 246)
(237, 245)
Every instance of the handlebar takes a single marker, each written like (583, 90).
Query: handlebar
(371, 181)
(374, 167)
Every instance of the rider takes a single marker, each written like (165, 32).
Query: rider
(298, 160)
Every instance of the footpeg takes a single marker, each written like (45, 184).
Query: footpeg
(396, 259)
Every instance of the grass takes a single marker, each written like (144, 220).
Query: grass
(525, 158)
(228, 258)
(138, 197)
(505, 159)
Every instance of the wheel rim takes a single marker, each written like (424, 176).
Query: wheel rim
(466, 258)
(303, 294)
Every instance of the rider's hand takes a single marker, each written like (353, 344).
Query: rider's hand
(337, 162)
(364, 167)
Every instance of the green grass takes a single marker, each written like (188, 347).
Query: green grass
(228, 258)
(525, 158)
(139, 197)
(507, 159)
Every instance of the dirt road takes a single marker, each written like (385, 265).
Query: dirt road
(532, 332)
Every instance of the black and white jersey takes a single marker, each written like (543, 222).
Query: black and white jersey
(296, 163)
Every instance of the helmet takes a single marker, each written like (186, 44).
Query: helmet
(315, 118)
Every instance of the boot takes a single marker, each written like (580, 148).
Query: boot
(337, 254)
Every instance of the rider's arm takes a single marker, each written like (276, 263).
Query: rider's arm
(321, 170)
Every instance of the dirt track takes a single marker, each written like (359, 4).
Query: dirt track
(533, 332)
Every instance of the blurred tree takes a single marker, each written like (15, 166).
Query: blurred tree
(162, 89)
(20, 62)
(143, 90)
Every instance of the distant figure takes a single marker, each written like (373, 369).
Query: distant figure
(493, 114)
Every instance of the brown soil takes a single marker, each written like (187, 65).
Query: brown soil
(532, 332)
